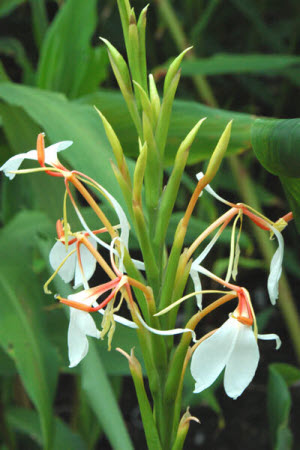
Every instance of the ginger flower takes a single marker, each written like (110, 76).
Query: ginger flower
(41, 154)
(233, 347)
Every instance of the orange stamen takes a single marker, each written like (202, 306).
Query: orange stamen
(40, 147)
(288, 217)
(59, 229)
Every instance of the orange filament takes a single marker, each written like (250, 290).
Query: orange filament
(40, 147)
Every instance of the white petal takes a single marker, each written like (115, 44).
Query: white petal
(210, 358)
(197, 286)
(81, 325)
(270, 337)
(57, 255)
(166, 332)
(52, 150)
(88, 264)
(15, 161)
(122, 320)
(210, 190)
(275, 267)
(242, 363)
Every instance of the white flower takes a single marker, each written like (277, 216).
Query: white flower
(233, 347)
(81, 325)
(14, 162)
(71, 268)
(275, 267)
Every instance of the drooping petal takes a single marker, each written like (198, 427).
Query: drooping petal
(13, 163)
(81, 325)
(210, 190)
(194, 273)
(210, 358)
(57, 255)
(242, 363)
(270, 337)
(166, 332)
(275, 267)
(88, 262)
(121, 320)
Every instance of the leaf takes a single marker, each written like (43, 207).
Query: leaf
(227, 63)
(7, 6)
(276, 144)
(66, 50)
(13, 48)
(279, 406)
(184, 117)
(22, 334)
(27, 421)
(24, 340)
(102, 400)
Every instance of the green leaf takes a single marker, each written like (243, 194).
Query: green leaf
(290, 374)
(27, 421)
(63, 120)
(185, 114)
(102, 400)
(279, 406)
(227, 63)
(22, 334)
(7, 6)
(276, 144)
(13, 48)
(66, 50)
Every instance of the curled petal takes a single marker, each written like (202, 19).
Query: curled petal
(275, 267)
(242, 363)
(166, 332)
(270, 337)
(210, 190)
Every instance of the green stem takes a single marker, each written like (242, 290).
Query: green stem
(285, 301)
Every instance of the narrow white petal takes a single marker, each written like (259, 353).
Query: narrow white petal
(242, 363)
(57, 255)
(197, 286)
(270, 337)
(210, 358)
(275, 267)
(122, 320)
(81, 325)
(88, 264)
(210, 190)
(166, 332)
(138, 264)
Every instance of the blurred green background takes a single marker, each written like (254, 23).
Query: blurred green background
(245, 63)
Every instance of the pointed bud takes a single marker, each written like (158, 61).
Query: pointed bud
(116, 147)
(119, 67)
(173, 69)
(165, 114)
(146, 105)
(183, 429)
(154, 97)
(218, 153)
(139, 173)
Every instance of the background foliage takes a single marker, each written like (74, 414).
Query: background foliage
(53, 69)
